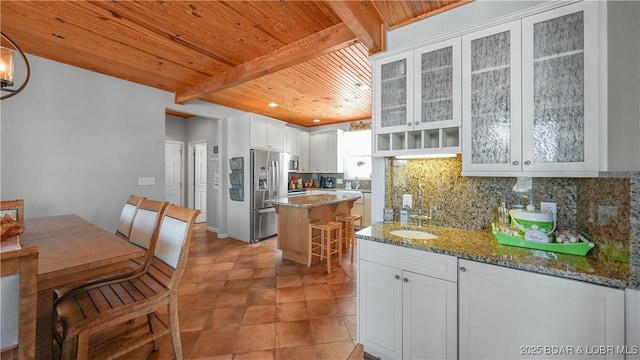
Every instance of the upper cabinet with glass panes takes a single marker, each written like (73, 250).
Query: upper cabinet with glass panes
(530, 95)
(417, 101)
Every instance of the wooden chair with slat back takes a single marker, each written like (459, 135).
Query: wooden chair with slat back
(90, 310)
(15, 209)
(143, 233)
(18, 303)
(127, 215)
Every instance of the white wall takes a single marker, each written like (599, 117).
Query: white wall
(175, 128)
(623, 39)
(239, 146)
(76, 141)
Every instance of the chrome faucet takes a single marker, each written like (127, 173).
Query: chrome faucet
(357, 183)
(420, 215)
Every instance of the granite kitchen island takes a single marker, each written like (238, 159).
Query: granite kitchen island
(296, 213)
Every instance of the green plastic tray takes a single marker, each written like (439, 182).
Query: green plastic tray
(580, 248)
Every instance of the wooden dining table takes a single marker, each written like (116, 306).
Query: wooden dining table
(71, 251)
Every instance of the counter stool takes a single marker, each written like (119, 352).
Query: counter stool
(327, 239)
(348, 222)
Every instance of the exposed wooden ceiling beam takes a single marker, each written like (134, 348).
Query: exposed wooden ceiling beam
(364, 20)
(177, 113)
(323, 42)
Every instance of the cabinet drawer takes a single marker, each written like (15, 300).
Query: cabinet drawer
(422, 262)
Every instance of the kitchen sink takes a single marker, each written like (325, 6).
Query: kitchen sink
(413, 234)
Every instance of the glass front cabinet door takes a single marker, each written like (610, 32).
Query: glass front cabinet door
(417, 102)
(560, 91)
(530, 95)
(393, 78)
(438, 85)
(491, 99)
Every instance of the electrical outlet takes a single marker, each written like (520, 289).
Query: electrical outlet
(549, 207)
(407, 201)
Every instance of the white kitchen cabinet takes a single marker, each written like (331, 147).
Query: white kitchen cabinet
(407, 302)
(267, 133)
(510, 314)
(297, 144)
(291, 141)
(325, 153)
(303, 151)
(530, 95)
(417, 102)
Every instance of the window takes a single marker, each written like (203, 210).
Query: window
(357, 154)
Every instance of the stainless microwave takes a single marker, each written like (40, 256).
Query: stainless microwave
(294, 163)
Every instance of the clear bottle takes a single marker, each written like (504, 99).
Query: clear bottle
(503, 220)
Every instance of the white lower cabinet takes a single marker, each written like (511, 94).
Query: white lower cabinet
(509, 314)
(407, 302)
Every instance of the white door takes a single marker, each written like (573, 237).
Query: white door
(173, 172)
(200, 181)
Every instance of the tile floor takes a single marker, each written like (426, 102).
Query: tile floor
(243, 301)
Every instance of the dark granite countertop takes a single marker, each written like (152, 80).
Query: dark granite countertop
(311, 201)
(483, 247)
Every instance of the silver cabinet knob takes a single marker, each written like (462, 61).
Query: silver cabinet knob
(527, 162)
(462, 269)
(417, 123)
(516, 162)
(397, 277)
(409, 124)
(406, 280)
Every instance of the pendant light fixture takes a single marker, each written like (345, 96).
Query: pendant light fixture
(7, 64)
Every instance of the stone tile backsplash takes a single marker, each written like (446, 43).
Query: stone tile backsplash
(599, 208)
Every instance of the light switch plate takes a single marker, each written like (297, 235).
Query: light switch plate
(146, 181)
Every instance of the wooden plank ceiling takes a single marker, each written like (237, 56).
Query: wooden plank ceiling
(309, 57)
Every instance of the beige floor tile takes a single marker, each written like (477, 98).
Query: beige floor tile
(292, 311)
(256, 337)
(289, 294)
(293, 333)
(284, 281)
(334, 350)
(317, 292)
(322, 308)
(299, 352)
(215, 342)
(329, 330)
(256, 355)
(240, 301)
(259, 314)
(261, 297)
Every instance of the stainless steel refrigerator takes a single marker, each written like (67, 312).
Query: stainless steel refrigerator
(268, 181)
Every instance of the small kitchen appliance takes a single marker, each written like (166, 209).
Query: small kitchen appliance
(293, 163)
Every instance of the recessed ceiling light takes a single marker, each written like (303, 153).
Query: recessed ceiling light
(316, 120)
(272, 104)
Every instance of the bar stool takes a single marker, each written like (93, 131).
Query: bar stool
(348, 222)
(329, 235)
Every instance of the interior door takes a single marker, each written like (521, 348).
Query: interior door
(200, 181)
(173, 172)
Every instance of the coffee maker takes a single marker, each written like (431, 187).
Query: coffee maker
(327, 182)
